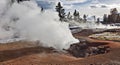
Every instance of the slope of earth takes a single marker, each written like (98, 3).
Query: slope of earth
(29, 53)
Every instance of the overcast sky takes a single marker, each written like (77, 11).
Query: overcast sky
(84, 6)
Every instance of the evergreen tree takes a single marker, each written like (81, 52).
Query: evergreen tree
(94, 17)
(19, 1)
(61, 11)
(85, 17)
(68, 16)
(62, 15)
(114, 11)
(59, 7)
(98, 20)
(76, 15)
(42, 9)
(22, 0)
(12, 1)
(105, 18)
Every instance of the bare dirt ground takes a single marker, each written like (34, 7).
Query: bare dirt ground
(28, 53)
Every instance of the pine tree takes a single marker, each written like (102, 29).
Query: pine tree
(12, 1)
(98, 20)
(94, 17)
(61, 11)
(85, 17)
(42, 9)
(59, 7)
(76, 15)
(22, 0)
(69, 16)
(114, 11)
(105, 18)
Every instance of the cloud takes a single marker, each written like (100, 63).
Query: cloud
(73, 1)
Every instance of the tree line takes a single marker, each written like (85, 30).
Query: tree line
(114, 16)
(66, 17)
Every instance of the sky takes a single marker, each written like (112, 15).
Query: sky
(83, 1)
(83, 6)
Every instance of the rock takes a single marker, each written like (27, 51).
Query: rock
(83, 50)
(102, 49)
(78, 49)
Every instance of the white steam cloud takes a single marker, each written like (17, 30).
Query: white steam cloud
(26, 20)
